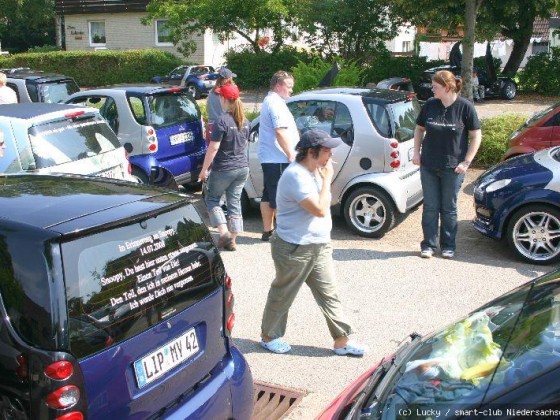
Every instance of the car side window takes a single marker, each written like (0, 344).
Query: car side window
(110, 113)
(380, 118)
(137, 107)
(343, 126)
(554, 121)
(314, 114)
(178, 73)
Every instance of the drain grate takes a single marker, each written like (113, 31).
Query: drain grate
(273, 402)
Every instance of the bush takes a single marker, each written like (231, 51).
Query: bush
(542, 73)
(254, 70)
(44, 49)
(98, 68)
(308, 75)
(496, 132)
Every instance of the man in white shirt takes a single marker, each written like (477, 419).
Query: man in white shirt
(278, 136)
(7, 95)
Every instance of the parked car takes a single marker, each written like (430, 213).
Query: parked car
(36, 86)
(198, 80)
(540, 131)
(74, 248)
(498, 361)
(374, 178)
(51, 138)
(160, 126)
(519, 199)
(396, 83)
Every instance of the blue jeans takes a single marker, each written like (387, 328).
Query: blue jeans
(441, 188)
(231, 183)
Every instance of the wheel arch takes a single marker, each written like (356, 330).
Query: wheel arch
(362, 184)
(505, 220)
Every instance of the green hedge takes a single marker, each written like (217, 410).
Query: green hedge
(542, 73)
(98, 68)
(496, 132)
(308, 75)
(254, 70)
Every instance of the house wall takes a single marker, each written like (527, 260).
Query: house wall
(123, 31)
(405, 36)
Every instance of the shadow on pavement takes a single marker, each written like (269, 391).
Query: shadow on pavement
(251, 346)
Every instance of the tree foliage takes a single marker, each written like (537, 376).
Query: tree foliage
(26, 23)
(248, 19)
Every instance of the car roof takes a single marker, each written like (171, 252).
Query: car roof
(138, 89)
(38, 76)
(73, 203)
(30, 110)
(386, 95)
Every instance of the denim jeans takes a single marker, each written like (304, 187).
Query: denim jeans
(231, 183)
(441, 188)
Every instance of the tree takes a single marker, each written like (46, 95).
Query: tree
(471, 11)
(26, 23)
(353, 29)
(246, 18)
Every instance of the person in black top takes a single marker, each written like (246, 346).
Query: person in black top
(230, 168)
(448, 133)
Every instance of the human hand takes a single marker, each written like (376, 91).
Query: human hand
(327, 171)
(416, 158)
(203, 175)
(291, 157)
(462, 167)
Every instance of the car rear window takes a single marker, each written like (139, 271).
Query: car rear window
(125, 280)
(67, 140)
(394, 120)
(171, 109)
(55, 92)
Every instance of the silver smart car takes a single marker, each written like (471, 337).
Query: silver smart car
(375, 178)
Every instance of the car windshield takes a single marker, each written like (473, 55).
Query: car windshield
(538, 115)
(123, 281)
(497, 348)
(63, 140)
(58, 92)
(172, 109)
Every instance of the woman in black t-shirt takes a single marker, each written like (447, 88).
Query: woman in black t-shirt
(230, 168)
(448, 130)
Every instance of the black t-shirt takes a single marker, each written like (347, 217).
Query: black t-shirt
(233, 143)
(447, 132)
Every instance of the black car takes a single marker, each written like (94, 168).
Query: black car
(502, 87)
(114, 304)
(36, 86)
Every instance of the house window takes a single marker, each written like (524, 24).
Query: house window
(163, 34)
(97, 33)
(407, 46)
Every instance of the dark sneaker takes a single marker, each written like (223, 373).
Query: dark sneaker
(266, 235)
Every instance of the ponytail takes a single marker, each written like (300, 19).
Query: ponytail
(236, 109)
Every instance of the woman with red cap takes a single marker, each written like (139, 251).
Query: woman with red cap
(227, 155)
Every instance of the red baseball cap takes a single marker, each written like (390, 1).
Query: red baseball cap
(228, 91)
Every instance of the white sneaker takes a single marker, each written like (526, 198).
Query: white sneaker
(427, 253)
(447, 253)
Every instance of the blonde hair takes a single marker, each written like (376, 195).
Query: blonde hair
(235, 107)
(448, 80)
(3, 78)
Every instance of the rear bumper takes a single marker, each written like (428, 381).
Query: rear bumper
(227, 393)
(184, 169)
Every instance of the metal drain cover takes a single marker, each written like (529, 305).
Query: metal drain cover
(273, 402)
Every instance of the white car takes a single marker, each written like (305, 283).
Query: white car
(54, 138)
(375, 178)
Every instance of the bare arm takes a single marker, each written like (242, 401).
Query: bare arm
(475, 138)
(419, 132)
(318, 205)
(284, 142)
(208, 158)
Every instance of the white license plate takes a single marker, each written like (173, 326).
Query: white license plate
(181, 138)
(111, 173)
(164, 359)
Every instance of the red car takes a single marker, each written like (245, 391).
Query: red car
(542, 130)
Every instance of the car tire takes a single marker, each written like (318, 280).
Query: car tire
(369, 212)
(531, 234)
(509, 90)
(246, 208)
(140, 176)
(194, 91)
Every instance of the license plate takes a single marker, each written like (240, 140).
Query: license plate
(181, 138)
(167, 357)
(111, 173)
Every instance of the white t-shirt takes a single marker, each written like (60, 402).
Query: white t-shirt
(294, 224)
(275, 114)
(7, 96)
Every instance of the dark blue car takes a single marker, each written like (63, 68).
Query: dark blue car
(114, 304)
(519, 199)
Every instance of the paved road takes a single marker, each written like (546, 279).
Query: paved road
(387, 291)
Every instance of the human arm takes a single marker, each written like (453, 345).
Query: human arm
(475, 138)
(208, 158)
(283, 139)
(319, 205)
(419, 132)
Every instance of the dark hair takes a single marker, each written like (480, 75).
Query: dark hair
(447, 79)
(279, 77)
(302, 153)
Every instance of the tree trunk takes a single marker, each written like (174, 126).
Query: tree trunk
(520, 47)
(468, 48)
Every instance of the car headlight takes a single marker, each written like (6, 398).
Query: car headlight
(497, 185)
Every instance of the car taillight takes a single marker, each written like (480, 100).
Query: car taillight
(60, 370)
(230, 322)
(394, 144)
(74, 114)
(175, 90)
(73, 415)
(227, 282)
(151, 139)
(22, 369)
(64, 397)
(229, 316)
(395, 164)
(395, 154)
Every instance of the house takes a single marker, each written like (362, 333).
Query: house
(116, 25)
